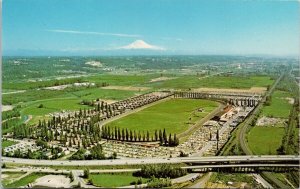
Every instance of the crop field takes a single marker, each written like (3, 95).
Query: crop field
(173, 115)
(280, 106)
(265, 140)
(114, 180)
(236, 82)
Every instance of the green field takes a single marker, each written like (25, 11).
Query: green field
(265, 140)
(70, 101)
(186, 82)
(10, 177)
(113, 180)
(6, 143)
(53, 105)
(94, 93)
(280, 107)
(173, 115)
(25, 180)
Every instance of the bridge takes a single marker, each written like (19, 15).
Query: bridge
(237, 99)
(253, 164)
(214, 163)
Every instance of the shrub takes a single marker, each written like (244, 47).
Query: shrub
(86, 173)
(160, 171)
(159, 182)
(41, 106)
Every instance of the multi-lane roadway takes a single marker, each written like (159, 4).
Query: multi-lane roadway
(202, 160)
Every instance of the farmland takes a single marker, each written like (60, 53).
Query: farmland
(280, 105)
(134, 122)
(265, 140)
(236, 82)
(172, 115)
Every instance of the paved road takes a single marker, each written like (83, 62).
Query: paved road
(240, 165)
(262, 181)
(152, 160)
(185, 178)
(49, 170)
(78, 179)
(202, 181)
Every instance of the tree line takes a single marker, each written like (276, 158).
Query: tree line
(96, 152)
(160, 171)
(117, 133)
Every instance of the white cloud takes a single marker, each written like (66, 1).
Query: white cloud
(93, 33)
(170, 38)
(140, 44)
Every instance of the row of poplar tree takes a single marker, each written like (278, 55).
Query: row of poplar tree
(136, 136)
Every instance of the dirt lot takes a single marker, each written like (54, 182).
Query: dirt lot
(53, 181)
(6, 108)
(291, 100)
(260, 90)
(269, 121)
(161, 79)
(127, 88)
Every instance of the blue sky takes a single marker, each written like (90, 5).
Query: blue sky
(104, 27)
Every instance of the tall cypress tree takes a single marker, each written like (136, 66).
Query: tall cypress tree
(155, 134)
(116, 133)
(127, 135)
(131, 136)
(123, 134)
(148, 136)
(119, 134)
(134, 136)
(165, 140)
(160, 137)
(176, 140)
(170, 142)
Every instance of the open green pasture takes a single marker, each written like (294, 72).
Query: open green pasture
(279, 107)
(97, 79)
(111, 94)
(52, 105)
(82, 92)
(265, 140)
(114, 180)
(122, 80)
(71, 101)
(236, 82)
(172, 115)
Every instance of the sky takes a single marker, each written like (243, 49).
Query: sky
(171, 27)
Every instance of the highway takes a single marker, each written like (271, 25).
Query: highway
(265, 158)
(237, 165)
(244, 129)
